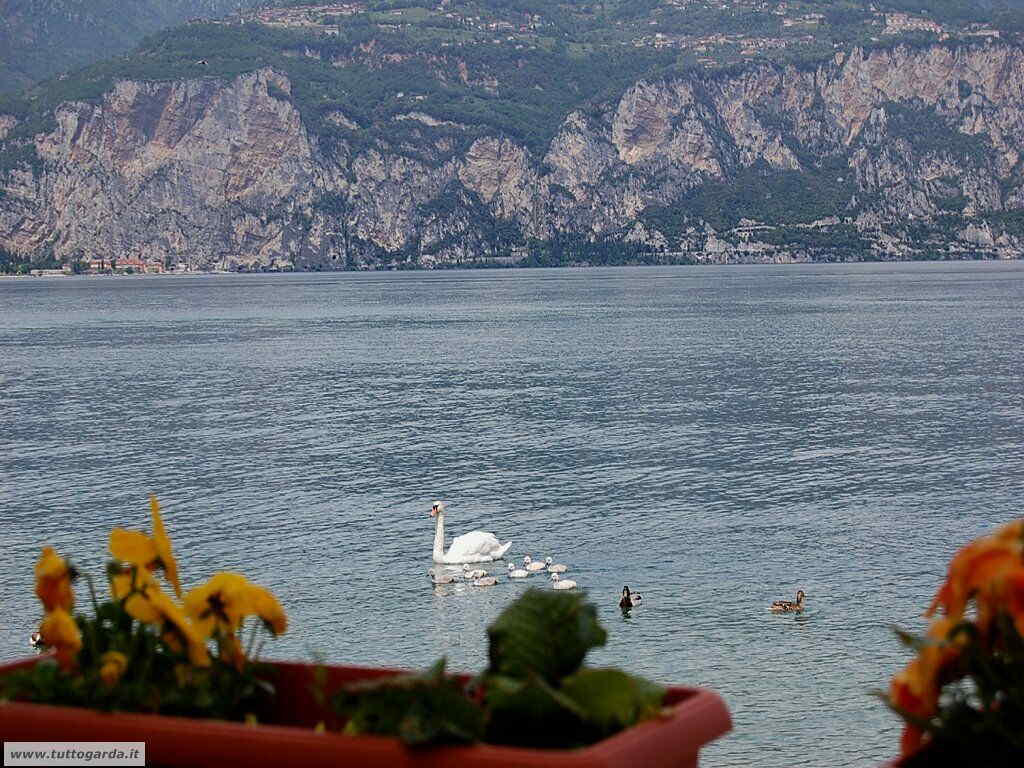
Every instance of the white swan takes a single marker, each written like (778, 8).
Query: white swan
(473, 573)
(516, 573)
(533, 565)
(472, 547)
(556, 567)
(560, 583)
(487, 581)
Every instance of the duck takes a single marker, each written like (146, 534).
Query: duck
(443, 577)
(554, 567)
(486, 581)
(517, 573)
(629, 599)
(35, 642)
(472, 573)
(560, 583)
(472, 547)
(788, 606)
(533, 565)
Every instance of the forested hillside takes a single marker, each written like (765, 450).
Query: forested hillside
(39, 38)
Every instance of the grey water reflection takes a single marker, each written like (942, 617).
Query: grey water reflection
(715, 438)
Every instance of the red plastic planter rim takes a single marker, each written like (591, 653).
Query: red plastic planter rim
(695, 716)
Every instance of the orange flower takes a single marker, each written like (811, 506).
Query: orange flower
(60, 632)
(979, 564)
(989, 570)
(916, 689)
(1012, 531)
(53, 581)
(1015, 599)
(902, 697)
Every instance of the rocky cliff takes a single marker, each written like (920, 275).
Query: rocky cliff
(919, 150)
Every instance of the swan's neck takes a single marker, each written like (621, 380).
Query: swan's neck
(439, 538)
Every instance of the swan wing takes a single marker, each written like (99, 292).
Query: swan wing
(476, 547)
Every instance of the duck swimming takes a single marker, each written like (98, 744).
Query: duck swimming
(629, 599)
(788, 606)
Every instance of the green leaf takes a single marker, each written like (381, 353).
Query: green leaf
(530, 713)
(611, 699)
(545, 633)
(419, 709)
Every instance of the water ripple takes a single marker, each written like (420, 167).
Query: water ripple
(715, 438)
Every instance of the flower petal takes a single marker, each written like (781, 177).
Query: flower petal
(163, 546)
(59, 631)
(133, 547)
(53, 581)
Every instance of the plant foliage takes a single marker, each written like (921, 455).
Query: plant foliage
(535, 693)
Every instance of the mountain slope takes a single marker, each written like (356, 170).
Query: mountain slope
(39, 38)
(263, 145)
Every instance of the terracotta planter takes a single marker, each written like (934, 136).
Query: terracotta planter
(696, 717)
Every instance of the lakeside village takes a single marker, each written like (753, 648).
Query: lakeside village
(743, 244)
(528, 29)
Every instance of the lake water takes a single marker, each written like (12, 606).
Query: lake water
(713, 437)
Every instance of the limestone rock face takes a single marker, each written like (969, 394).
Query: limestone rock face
(195, 171)
(223, 173)
(501, 173)
(7, 122)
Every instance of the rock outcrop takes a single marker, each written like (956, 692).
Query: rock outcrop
(220, 174)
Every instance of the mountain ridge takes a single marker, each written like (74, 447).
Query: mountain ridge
(359, 152)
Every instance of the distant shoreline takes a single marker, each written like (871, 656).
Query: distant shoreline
(502, 268)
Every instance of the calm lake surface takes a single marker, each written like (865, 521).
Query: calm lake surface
(713, 437)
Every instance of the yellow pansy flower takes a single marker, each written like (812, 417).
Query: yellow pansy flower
(146, 602)
(221, 604)
(145, 551)
(231, 651)
(269, 609)
(133, 547)
(53, 581)
(163, 546)
(60, 632)
(134, 588)
(112, 666)
(176, 622)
